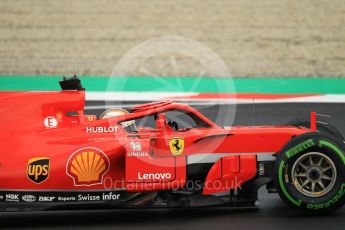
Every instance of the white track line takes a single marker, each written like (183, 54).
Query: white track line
(183, 97)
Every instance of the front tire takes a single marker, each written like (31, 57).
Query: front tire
(310, 173)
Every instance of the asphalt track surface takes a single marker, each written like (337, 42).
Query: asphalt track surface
(273, 214)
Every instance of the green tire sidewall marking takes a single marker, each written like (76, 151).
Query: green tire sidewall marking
(335, 148)
(341, 192)
(299, 148)
(295, 150)
(282, 186)
(331, 201)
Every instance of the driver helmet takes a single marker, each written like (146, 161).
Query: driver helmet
(113, 112)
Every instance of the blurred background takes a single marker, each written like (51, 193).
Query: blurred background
(254, 38)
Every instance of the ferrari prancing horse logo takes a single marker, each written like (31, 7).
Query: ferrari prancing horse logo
(176, 145)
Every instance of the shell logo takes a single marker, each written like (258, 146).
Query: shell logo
(87, 166)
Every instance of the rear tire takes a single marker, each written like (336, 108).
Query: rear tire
(310, 173)
(323, 128)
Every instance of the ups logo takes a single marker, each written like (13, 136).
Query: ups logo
(38, 169)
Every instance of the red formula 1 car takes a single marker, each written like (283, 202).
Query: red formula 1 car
(161, 154)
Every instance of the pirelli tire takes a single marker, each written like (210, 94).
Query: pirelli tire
(307, 183)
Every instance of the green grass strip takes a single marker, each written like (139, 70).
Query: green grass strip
(184, 84)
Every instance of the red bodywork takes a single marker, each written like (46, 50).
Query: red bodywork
(25, 136)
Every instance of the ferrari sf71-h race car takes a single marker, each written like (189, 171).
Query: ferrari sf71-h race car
(161, 154)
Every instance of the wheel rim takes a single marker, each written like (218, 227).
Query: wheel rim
(314, 174)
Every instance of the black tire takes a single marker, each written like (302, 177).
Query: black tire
(323, 128)
(304, 146)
